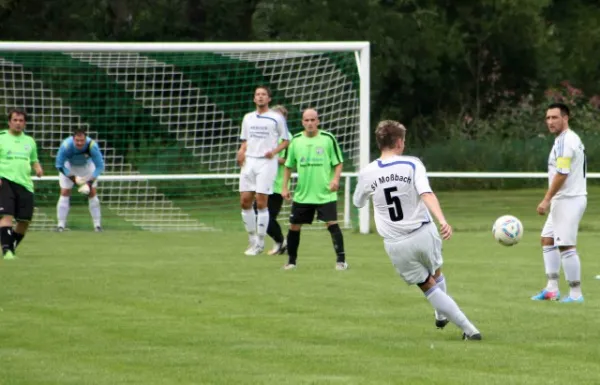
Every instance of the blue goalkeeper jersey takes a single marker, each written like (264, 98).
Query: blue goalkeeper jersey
(79, 157)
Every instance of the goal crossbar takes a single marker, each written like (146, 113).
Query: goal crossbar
(182, 47)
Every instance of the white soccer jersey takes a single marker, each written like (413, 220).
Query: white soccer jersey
(568, 157)
(396, 185)
(262, 132)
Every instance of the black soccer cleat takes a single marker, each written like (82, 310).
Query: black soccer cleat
(60, 229)
(283, 249)
(98, 229)
(441, 323)
(472, 337)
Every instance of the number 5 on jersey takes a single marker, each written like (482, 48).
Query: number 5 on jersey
(395, 208)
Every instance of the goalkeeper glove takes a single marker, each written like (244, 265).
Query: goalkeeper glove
(85, 187)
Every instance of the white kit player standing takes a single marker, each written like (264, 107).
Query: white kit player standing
(402, 200)
(264, 134)
(565, 201)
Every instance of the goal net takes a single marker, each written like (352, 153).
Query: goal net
(167, 118)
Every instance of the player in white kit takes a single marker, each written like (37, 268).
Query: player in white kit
(264, 134)
(402, 200)
(565, 202)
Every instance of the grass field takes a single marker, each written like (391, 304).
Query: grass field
(130, 307)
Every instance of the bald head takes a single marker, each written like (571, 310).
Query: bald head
(310, 121)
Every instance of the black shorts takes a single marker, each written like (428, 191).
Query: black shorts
(15, 200)
(304, 213)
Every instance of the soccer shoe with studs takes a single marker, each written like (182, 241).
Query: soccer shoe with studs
(98, 229)
(278, 249)
(546, 295)
(289, 266)
(254, 250)
(60, 229)
(341, 266)
(571, 300)
(9, 256)
(472, 337)
(441, 323)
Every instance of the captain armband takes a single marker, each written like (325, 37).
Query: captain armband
(563, 163)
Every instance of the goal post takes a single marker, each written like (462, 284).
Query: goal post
(169, 109)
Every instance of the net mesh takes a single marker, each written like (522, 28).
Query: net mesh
(169, 113)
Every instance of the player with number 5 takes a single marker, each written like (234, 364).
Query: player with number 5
(79, 162)
(402, 200)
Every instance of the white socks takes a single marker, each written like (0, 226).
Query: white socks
(552, 266)
(262, 222)
(572, 268)
(62, 211)
(441, 283)
(444, 304)
(249, 219)
(94, 204)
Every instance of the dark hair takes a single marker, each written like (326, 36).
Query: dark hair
(266, 88)
(17, 111)
(564, 110)
(79, 131)
(388, 132)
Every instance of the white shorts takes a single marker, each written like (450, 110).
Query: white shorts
(258, 175)
(563, 221)
(86, 171)
(418, 255)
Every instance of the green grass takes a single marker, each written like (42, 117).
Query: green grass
(130, 307)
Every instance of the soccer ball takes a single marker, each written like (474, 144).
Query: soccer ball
(507, 230)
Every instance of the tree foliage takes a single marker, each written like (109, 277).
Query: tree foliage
(436, 64)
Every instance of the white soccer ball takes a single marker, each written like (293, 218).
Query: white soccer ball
(507, 230)
(84, 189)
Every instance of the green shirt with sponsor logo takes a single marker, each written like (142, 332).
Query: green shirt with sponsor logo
(17, 154)
(315, 159)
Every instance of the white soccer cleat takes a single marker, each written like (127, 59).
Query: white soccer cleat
(341, 266)
(249, 249)
(254, 250)
(289, 266)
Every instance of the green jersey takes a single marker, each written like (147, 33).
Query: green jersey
(278, 183)
(315, 159)
(17, 154)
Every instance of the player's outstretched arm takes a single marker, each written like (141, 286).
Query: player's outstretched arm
(434, 207)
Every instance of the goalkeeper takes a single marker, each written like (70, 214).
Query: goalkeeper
(79, 162)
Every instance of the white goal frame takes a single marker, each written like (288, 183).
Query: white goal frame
(360, 48)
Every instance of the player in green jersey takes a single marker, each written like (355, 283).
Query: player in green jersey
(275, 200)
(317, 158)
(18, 154)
